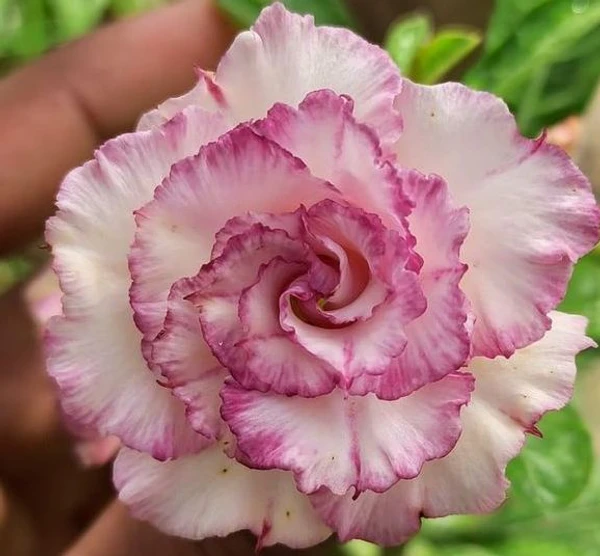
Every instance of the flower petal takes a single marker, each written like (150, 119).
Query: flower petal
(325, 134)
(510, 396)
(94, 350)
(268, 58)
(238, 173)
(210, 494)
(170, 243)
(366, 443)
(532, 212)
(189, 367)
(206, 94)
(437, 340)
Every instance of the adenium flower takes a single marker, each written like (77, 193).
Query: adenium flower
(311, 296)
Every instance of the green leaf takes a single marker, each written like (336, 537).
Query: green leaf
(326, 12)
(542, 57)
(448, 48)
(405, 37)
(551, 472)
(127, 7)
(360, 548)
(73, 18)
(30, 35)
(535, 547)
(583, 295)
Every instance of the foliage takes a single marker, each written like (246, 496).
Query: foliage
(542, 57)
(29, 28)
(426, 57)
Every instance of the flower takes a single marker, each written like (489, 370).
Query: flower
(312, 296)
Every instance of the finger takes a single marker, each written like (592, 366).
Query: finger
(56, 110)
(116, 533)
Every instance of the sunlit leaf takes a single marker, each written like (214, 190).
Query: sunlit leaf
(447, 49)
(542, 57)
(75, 17)
(127, 7)
(404, 37)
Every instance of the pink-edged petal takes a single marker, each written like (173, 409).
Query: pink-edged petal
(341, 442)
(238, 173)
(168, 245)
(209, 495)
(237, 300)
(391, 298)
(266, 357)
(437, 340)
(188, 366)
(206, 94)
(367, 346)
(324, 133)
(531, 210)
(94, 349)
(290, 222)
(510, 397)
(268, 59)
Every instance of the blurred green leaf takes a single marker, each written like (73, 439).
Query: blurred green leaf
(73, 18)
(583, 295)
(534, 547)
(127, 7)
(405, 37)
(448, 48)
(551, 472)
(29, 33)
(326, 12)
(360, 548)
(542, 57)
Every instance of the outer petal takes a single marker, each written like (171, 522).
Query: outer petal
(341, 442)
(238, 173)
(532, 212)
(211, 495)
(510, 396)
(206, 94)
(265, 66)
(324, 133)
(438, 340)
(94, 352)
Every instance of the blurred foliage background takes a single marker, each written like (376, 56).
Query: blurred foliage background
(543, 58)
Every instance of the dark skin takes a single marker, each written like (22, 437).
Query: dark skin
(54, 113)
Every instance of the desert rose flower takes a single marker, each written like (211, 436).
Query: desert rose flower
(311, 296)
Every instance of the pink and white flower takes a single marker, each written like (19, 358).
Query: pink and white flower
(311, 296)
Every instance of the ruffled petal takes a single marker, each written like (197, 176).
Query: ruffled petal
(170, 243)
(437, 340)
(374, 335)
(94, 350)
(206, 94)
(342, 442)
(188, 366)
(324, 133)
(238, 173)
(264, 66)
(209, 494)
(237, 299)
(532, 212)
(510, 396)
